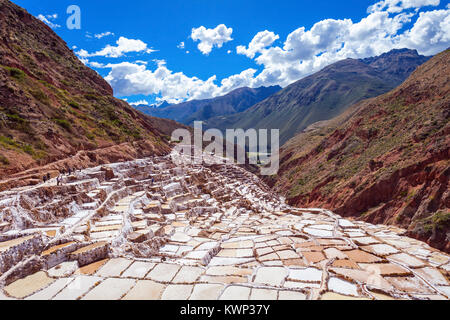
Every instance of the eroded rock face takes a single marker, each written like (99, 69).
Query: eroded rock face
(158, 230)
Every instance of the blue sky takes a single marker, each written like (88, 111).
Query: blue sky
(145, 60)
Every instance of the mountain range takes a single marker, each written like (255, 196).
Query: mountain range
(236, 101)
(325, 94)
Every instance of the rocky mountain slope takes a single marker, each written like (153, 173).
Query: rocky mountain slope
(325, 94)
(236, 101)
(385, 160)
(53, 107)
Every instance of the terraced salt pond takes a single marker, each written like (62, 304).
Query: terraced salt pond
(152, 229)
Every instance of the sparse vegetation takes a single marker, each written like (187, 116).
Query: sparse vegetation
(438, 221)
(74, 104)
(39, 95)
(4, 160)
(63, 123)
(12, 144)
(17, 73)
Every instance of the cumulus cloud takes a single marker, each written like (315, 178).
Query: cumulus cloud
(180, 45)
(301, 53)
(430, 33)
(243, 79)
(130, 79)
(307, 51)
(395, 6)
(209, 38)
(262, 40)
(124, 45)
(48, 20)
(95, 64)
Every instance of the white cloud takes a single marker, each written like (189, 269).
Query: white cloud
(307, 51)
(301, 53)
(95, 64)
(262, 40)
(124, 45)
(180, 45)
(395, 6)
(243, 79)
(130, 79)
(84, 61)
(210, 38)
(103, 34)
(430, 34)
(140, 102)
(46, 19)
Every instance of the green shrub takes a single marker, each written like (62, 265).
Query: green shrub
(90, 136)
(16, 145)
(74, 104)
(18, 123)
(15, 118)
(5, 141)
(17, 73)
(438, 221)
(91, 96)
(39, 95)
(63, 123)
(441, 219)
(28, 149)
(4, 160)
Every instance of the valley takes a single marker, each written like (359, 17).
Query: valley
(98, 203)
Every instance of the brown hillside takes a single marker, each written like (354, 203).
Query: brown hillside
(53, 107)
(385, 160)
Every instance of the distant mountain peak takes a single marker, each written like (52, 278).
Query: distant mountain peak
(238, 100)
(162, 105)
(400, 53)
